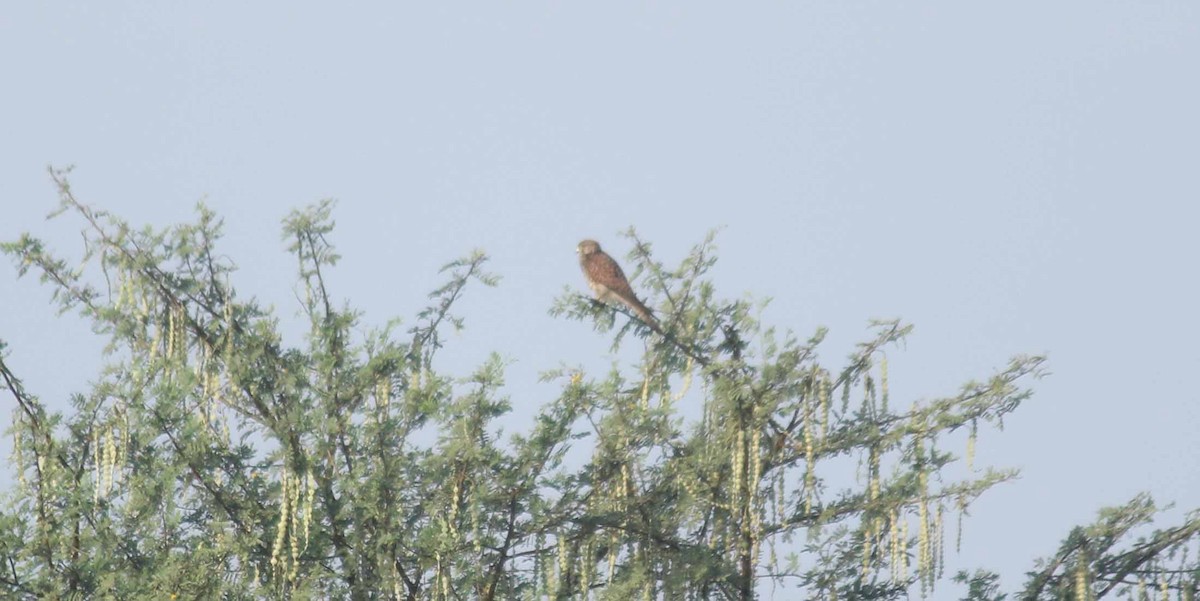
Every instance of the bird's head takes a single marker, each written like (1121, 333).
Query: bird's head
(587, 247)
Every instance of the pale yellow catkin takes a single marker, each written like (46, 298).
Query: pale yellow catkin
(612, 558)
(962, 509)
(757, 463)
(756, 527)
(281, 529)
(866, 554)
(19, 456)
(923, 562)
(452, 522)
(41, 468)
(198, 370)
(738, 468)
(894, 534)
(563, 560)
(883, 383)
(308, 504)
(171, 333)
(126, 430)
(810, 474)
(873, 472)
(623, 492)
(295, 529)
(645, 396)
(227, 349)
(586, 567)
(691, 482)
(97, 459)
(143, 307)
(1082, 593)
(476, 529)
(550, 577)
(445, 574)
(155, 340)
(214, 386)
(971, 438)
(939, 539)
(755, 536)
(687, 380)
(824, 402)
(110, 460)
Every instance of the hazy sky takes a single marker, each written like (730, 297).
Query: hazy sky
(1016, 177)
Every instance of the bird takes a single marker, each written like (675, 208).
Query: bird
(608, 282)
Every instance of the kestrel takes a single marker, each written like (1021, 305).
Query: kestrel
(608, 282)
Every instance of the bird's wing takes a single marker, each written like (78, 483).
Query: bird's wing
(604, 270)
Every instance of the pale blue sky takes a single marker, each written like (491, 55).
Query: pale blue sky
(1015, 177)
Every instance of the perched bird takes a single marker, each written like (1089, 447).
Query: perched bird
(608, 282)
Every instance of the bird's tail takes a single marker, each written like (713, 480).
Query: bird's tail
(647, 317)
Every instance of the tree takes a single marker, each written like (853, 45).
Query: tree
(211, 460)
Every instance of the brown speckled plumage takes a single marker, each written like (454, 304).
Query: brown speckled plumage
(608, 282)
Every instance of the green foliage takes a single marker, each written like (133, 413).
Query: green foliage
(1093, 563)
(981, 586)
(210, 460)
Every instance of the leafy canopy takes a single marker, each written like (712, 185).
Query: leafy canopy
(211, 460)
